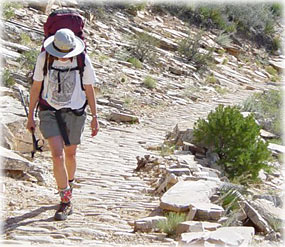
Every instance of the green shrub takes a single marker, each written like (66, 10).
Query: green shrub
(9, 9)
(144, 47)
(7, 79)
(266, 108)
(211, 79)
(167, 149)
(277, 9)
(276, 44)
(223, 39)
(235, 139)
(173, 219)
(135, 62)
(149, 82)
(25, 39)
(212, 14)
(189, 49)
(133, 8)
(29, 58)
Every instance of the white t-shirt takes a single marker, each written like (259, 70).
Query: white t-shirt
(62, 89)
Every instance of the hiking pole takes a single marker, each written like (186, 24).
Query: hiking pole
(36, 146)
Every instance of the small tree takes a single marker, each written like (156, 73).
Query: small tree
(144, 47)
(235, 139)
(189, 49)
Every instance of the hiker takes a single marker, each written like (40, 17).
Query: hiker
(62, 114)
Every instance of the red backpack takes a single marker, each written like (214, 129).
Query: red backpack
(58, 19)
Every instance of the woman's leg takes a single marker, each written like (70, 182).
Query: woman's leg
(59, 170)
(70, 160)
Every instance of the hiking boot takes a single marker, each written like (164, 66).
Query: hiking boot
(63, 211)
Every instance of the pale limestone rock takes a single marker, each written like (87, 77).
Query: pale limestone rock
(44, 5)
(273, 215)
(256, 218)
(232, 236)
(266, 134)
(224, 236)
(276, 148)
(196, 226)
(278, 64)
(149, 223)
(179, 171)
(179, 197)
(206, 211)
(14, 162)
(122, 117)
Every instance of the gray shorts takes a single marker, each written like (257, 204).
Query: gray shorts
(74, 125)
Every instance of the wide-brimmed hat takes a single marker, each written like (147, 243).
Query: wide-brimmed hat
(64, 44)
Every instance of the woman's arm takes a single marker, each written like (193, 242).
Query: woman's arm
(34, 98)
(90, 95)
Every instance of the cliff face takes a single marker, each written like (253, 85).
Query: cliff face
(138, 103)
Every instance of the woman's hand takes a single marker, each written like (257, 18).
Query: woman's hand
(94, 126)
(31, 126)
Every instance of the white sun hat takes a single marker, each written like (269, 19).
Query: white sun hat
(64, 44)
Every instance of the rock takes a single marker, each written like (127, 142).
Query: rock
(234, 50)
(224, 236)
(14, 162)
(179, 171)
(189, 161)
(10, 54)
(278, 65)
(276, 148)
(17, 47)
(273, 215)
(149, 223)
(176, 70)
(267, 135)
(232, 236)
(274, 199)
(196, 226)
(180, 135)
(179, 197)
(121, 117)
(259, 222)
(44, 5)
(206, 211)
(164, 43)
(166, 183)
(192, 148)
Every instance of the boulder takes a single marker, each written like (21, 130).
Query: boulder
(13, 161)
(179, 197)
(224, 236)
(206, 211)
(122, 117)
(259, 222)
(273, 215)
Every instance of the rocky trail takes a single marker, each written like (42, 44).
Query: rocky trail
(110, 195)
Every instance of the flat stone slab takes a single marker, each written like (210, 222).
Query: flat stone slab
(149, 223)
(206, 211)
(224, 236)
(179, 197)
(196, 226)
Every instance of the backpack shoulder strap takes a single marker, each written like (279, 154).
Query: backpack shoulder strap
(81, 64)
